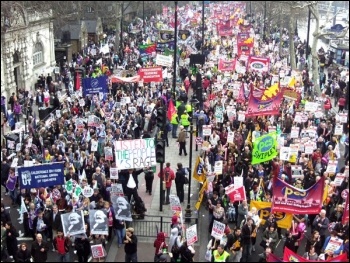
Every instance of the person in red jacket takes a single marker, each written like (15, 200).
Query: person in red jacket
(61, 245)
(341, 103)
(168, 176)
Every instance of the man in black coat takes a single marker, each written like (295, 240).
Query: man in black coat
(56, 221)
(180, 182)
(5, 168)
(39, 249)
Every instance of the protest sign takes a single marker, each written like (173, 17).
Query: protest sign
(284, 153)
(165, 61)
(332, 166)
(113, 173)
(98, 222)
(297, 171)
(95, 85)
(87, 191)
(41, 175)
(264, 148)
(283, 220)
(93, 121)
(289, 199)
(206, 130)
(117, 190)
(94, 146)
(218, 230)
(238, 181)
(58, 114)
(108, 154)
(133, 154)
(235, 193)
(73, 223)
(230, 137)
(339, 178)
(309, 148)
(311, 106)
(218, 167)
(152, 74)
(98, 251)
(81, 102)
(334, 244)
(191, 235)
(294, 133)
(338, 130)
(343, 117)
(175, 204)
(293, 153)
(79, 123)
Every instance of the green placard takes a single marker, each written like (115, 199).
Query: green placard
(264, 148)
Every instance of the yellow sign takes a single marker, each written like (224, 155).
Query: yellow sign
(264, 209)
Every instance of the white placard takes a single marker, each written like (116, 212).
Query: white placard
(332, 166)
(334, 244)
(311, 106)
(113, 172)
(309, 148)
(94, 145)
(58, 114)
(206, 130)
(338, 130)
(294, 133)
(343, 117)
(82, 102)
(166, 61)
(134, 154)
(87, 191)
(230, 137)
(339, 178)
(238, 181)
(218, 230)
(284, 153)
(191, 235)
(218, 167)
(241, 116)
(297, 171)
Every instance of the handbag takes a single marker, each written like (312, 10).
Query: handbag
(208, 255)
(186, 181)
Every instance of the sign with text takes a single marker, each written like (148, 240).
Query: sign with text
(165, 61)
(218, 230)
(113, 172)
(235, 193)
(41, 175)
(95, 85)
(218, 167)
(332, 166)
(98, 251)
(134, 154)
(339, 178)
(108, 154)
(175, 204)
(297, 171)
(154, 74)
(117, 190)
(206, 130)
(191, 235)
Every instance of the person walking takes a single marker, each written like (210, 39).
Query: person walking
(185, 120)
(182, 141)
(39, 249)
(23, 254)
(168, 176)
(61, 245)
(82, 245)
(174, 123)
(247, 234)
(149, 177)
(180, 179)
(220, 255)
(130, 247)
(119, 226)
(11, 240)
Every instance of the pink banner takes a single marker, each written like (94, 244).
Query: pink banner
(235, 193)
(290, 256)
(257, 107)
(116, 79)
(258, 64)
(288, 199)
(227, 65)
(148, 75)
(224, 29)
(345, 218)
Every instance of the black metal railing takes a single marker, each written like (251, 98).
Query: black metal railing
(151, 225)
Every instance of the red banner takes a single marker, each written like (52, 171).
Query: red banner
(117, 79)
(289, 199)
(345, 218)
(241, 98)
(258, 107)
(244, 28)
(235, 193)
(290, 256)
(245, 44)
(226, 65)
(258, 64)
(148, 75)
(224, 29)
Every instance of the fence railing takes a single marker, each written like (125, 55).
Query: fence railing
(151, 224)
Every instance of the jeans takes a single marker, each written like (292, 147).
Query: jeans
(247, 251)
(120, 233)
(131, 257)
(166, 198)
(174, 129)
(63, 258)
(13, 195)
(236, 257)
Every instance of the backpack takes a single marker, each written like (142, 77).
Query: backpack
(201, 120)
(175, 250)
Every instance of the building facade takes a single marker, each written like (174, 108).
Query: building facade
(27, 49)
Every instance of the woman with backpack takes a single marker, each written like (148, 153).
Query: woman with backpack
(186, 252)
(174, 244)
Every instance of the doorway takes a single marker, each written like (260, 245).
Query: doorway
(17, 74)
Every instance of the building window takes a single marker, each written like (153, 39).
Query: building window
(90, 9)
(38, 56)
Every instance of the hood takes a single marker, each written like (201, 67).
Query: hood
(174, 232)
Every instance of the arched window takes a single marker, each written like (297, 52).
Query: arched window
(38, 54)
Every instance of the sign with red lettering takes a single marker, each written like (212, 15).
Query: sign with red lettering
(191, 235)
(154, 74)
(98, 251)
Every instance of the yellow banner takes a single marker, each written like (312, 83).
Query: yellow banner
(201, 194)
(264, 209)
(199, 172)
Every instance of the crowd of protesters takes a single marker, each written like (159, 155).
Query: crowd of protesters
(58, 139)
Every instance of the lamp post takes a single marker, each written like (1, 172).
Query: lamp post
(175, 52)
(188, 210)
(308, 34)
(143, 16)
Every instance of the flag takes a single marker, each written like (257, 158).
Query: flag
(147, 49)
(77, 82)
(23, 208)
(345, 218)
(290, 256)
(171, 110)
(273, 258)
(199, 171)
(291, 83)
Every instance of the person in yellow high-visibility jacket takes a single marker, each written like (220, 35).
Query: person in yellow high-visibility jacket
(174, 124)
(185, 120)
(220, 254)
(189, 109)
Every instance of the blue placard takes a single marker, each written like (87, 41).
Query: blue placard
(41, 175)
(95, 85)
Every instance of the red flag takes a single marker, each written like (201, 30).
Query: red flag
(77, 82)
(171, 110)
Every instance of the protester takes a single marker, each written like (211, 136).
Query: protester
(39, 249)
(62, 245)
(130, 245)
(23, 254)
(11, 240)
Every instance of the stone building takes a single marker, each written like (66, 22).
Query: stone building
(27, 49)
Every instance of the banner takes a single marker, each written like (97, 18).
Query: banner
(41, 175)
(226, 65)
(273, 258)
(166, 35)
(264, 148)
(218, 230)
(288, 199)
(283, 220)
(245, 44)
(153, 74)
(199, 171)
(95, 85)
(345, 217)
(165, 61)
(134, 154)
(290, 256)
(191, 235)
(269, 103)
(258, 64)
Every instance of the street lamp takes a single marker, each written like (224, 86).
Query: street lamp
(175, 52)
(188, 210)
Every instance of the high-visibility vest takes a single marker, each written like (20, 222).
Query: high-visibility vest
(174, 119)
(184, 120)
(220, 258)
(188, 107)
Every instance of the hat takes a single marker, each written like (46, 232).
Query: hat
(130, 229)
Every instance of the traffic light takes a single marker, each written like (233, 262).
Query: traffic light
(161, 118)
(160, 151)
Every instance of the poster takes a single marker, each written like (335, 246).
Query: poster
(339, 178)
(108, 154)
(73, 223)
(338, 130)
(175, 204)
(294, 133)
(334, 244)
(264, 148)
(94, 145)
(134, 154)
(309, 147)
(235, 193)
(218, 167)
(238, 181)
(284, 153)
(218, 230)
(206, 130)
(230, 137)
(332, 166)
(121, 207)
(191, 235)
(98, 251)
(98, 222)
(113, 172)
(297, 171)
